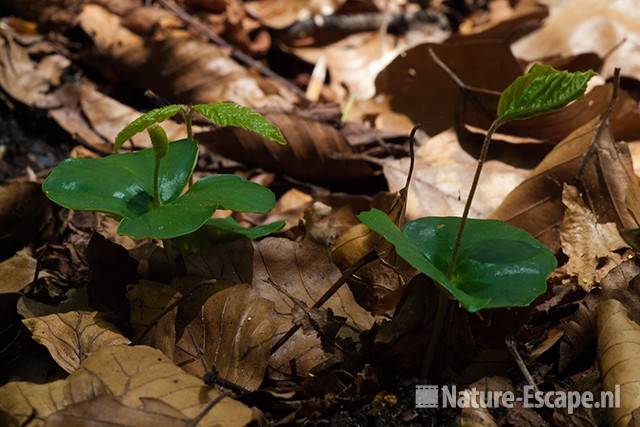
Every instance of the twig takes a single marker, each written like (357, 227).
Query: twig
(207, 409)
(371, 256)
(397, 23)
(511, 345)
(235, 53)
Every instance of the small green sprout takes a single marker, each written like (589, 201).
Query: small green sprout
(485, 263)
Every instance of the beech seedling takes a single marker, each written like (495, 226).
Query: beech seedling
(146, 189)
(485, 263)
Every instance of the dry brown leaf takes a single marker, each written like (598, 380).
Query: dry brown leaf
(72, 337)
(442, 179)
(477, 415)
(619, 359)
(279, 14)
(282, 273)
(188, 65)
(502, 21)
(22, 78)
(577, 26)
(579, 329)
(589, 245)
(310, 153)
(17, 272)
(130, 374)
(233, 334)
(151, 323)
(536, 204)
(107, 411)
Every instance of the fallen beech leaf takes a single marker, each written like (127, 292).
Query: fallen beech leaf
(536, 204)
(281, 274)
(189, 65)
(310, 153)
(107, 411)
(279, 14)
(441, 179)
(579, 330)
(234, 331)
(17, 272)
(589, 245)
(619, 359)
(419, 88)
(505, 22)
(147, 302)
(598, 26)
(130, 374)
(72, 337)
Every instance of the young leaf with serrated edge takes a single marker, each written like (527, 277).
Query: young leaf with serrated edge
(541, 90)
(230, 114)
(157, 115)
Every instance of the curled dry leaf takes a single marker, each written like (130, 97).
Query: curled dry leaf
(17, 272)
(279, 14)
(189, 65)
(233, 335)
(152, 322)
(72, 337)
(619, 359)
(107, 411)
(131, 375)
(536, 204)
(311, 151)
(579, 330)
(589, 245)
(442, 179)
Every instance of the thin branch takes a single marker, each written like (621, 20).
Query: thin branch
(207, 409)
(511, 345)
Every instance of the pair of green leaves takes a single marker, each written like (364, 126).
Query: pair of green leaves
(123, 184)
(497, 265)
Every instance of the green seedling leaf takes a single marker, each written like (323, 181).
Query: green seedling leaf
(498, 265)
(146, 120)
(230, 114)
(223, 230)
(121, 184)
(541, 90)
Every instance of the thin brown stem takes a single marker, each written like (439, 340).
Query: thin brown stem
(168, 250)
(436, 332)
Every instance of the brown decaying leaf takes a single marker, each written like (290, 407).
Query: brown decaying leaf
(233, 335)
(442, 179)
(504, 21)
(579, 329)
(598, 26)
(309, 154)
(147, 302)
(279, 14)
(536, 204)
(589, 245)
(72, 337)
(130, 374)
(107, 411)
(22, 78)
(189, 65)
(17, 272)
(619, 359)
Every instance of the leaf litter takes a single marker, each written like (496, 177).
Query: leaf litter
(322, 322)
